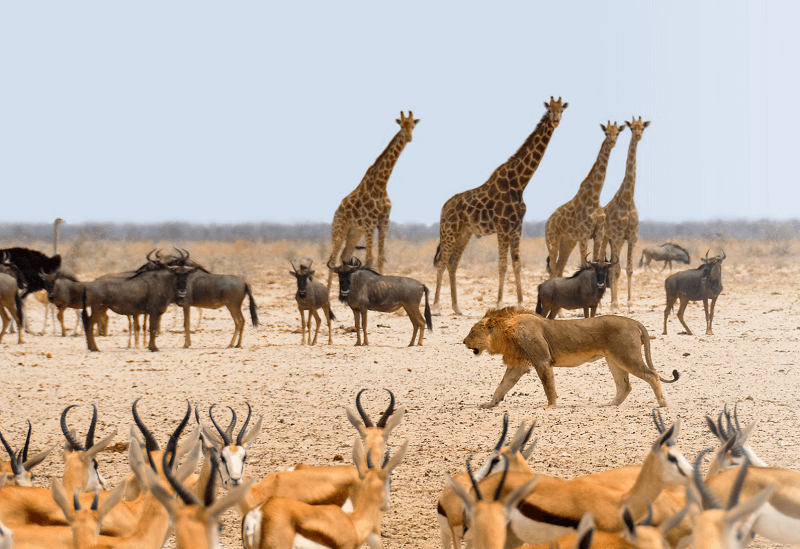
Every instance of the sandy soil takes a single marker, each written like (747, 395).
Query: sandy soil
(302, 391)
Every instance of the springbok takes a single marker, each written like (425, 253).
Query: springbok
(17, 469)
(80, 463)
(284, 523)
(232, 454)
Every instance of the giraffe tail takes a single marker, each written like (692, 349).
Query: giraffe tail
(438, 254)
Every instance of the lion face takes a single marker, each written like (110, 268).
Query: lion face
(478, 338)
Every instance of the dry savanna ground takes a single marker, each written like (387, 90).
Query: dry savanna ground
(302, 391)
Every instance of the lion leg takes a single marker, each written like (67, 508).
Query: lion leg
(510, 379)
(544, 370)
(621, 380)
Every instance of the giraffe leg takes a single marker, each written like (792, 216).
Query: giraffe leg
(452, 265)
(552, 253)
(629, 270)
(502, 264)
(383, 228)
(516, 264)
(565, 247)
(441, 261)
(337, 239)
(370, 244)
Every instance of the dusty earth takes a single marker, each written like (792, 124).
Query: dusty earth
(302, 391)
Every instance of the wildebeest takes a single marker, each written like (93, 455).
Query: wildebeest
(364, 290)
(667, 253)
(311, 295)
(10, 301)
(211, 291)
(146, 292)
(583, 290)
(704, 282)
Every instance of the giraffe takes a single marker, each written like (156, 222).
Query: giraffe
(368, 206)
(582, 217)
(622, 219)
(494, 207)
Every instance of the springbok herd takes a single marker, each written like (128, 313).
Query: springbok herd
(663, 502)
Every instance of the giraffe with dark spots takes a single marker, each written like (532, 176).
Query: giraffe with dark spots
(582, 217)
(622, 218)
(367, 207)
(469, 213)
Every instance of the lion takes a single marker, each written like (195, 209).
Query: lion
(527, 340)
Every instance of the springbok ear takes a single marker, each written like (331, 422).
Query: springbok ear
(354, 419)
(394, 420)
(293, 274)
(38, 458)
(113, 499)
(395, 460)
(585, 532)
(60, 497)
(463, 495)
(513, 499)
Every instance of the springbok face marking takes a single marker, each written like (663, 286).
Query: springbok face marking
(232, 454)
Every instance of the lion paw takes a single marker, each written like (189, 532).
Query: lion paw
(487, 405)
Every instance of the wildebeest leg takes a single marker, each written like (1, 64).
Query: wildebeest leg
(364, 325)
(238, 321)
(510, 379)
(187, 325)
(417, 321)
(130, 331)
(665, 266)
(710, 316)
(302, 324)
(326, 310)
(621, 381)
(357, 319)
(88, 328)
(554, 312)
(60, 316)
(6, 321)
(586, 312)
(137, 330)
(155, 320)
(681, 309)
(502, 264)
(318, 320)
(670, 303)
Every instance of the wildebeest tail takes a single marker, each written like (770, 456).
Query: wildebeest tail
(84, 315)
(253, 312)
(438, 254)
(548, 264)
(330, 314)
(641, 259)
(539, 304)
(428, 318)
(18, 304)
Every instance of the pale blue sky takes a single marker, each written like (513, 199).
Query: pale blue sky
(272, 111)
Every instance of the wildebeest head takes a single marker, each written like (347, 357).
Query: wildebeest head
(303, 275)
(181, 273)
(601, 269)
(713, 265)
(344, 271)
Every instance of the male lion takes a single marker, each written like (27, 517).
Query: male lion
(526, 339)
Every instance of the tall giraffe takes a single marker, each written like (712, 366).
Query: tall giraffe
(368, 206)
(582, 217)
(622, 219)
(494, 207)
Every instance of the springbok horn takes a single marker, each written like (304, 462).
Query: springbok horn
(709, 500)
(231, 425)
(96, 500)
(389, 411)
(75, 501)
(659, 421)
(736, 490)
(244, 426)
(187, 496)
(210, 491)
(503, 478)
(370, 465)
(27, 443)
(478, 494)
(361, 412)
(502, 434)
(92, 426)
(222, 433)
(181, 426)
(736, 416)
(15, 467)
(150, 441)
(73, 442)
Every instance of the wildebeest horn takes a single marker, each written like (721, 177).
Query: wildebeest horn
(150, 441)
(389, 411)
(723, 255)
(294, 267)
(244, 426)
(361, 412)
(73, 442)
(149, 254)
(222, 433)
(331, 267)
(187, 253)
(707, 252)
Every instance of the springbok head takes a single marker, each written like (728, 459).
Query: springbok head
(232, 453)
(676, 468)
(18, 468)
(375, 435)
(81, 468)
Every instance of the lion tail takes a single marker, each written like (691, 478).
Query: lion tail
(649, 359)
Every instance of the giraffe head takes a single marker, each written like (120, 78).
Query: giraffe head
(637, 127)
(407, 124)
(612, 131)
(555, 109)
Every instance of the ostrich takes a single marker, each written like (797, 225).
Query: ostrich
(41, 296)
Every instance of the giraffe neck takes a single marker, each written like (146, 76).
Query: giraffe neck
(377, 175)
(525, 161)
(592, 186)
(624, 196)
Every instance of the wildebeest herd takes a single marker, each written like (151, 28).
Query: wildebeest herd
(664, 502)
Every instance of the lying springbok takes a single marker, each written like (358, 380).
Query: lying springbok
(450, 510)
(284, 523)
(363, 289)
(232, 454)
(733, 442)
(85, 523)
(146, 292)
(730, 527)
(331, 484)
(703, 283)
(17, 470)
(311, 295)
